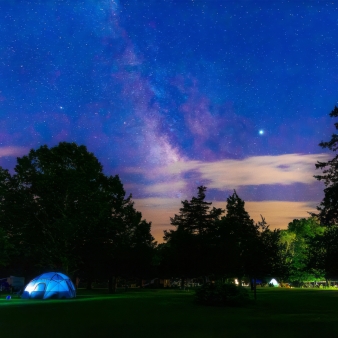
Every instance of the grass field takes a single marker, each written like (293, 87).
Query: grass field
(172, 313)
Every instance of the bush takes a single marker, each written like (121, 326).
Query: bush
(284, 285)
(218, 294)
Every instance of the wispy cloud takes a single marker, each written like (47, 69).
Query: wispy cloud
(162, 188)
(13, 151)
(256, 170)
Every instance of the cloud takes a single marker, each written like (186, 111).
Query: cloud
(162, 188)
(257, 170)
(13, 151)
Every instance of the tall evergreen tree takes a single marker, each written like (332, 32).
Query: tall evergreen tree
(195, 216)
(328, 208)
(237, 237)
(188, 246)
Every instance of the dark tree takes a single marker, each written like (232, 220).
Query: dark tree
(188, 247)
(323, 251)
(63, 213)
(237, 238)
(270, 258)
(7, 249)
(60, 187)
(195, 216)
(130, 254)
(245, 248)
(328, 208)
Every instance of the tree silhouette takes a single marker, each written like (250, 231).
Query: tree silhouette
(238, 237)
(322, 253)
(63, 213)
(328, 208)
(188, 247)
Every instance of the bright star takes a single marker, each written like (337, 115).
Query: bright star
(261, 132)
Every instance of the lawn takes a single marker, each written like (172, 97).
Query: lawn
(172, 313)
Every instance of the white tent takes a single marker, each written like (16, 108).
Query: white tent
(274, 282)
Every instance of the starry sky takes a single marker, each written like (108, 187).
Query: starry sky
(173, 94)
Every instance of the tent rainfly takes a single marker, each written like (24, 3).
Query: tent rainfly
(50, 285)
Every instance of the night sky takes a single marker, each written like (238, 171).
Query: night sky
(173, 94)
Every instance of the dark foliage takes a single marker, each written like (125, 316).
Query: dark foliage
(328, 208)
(61, 212)
(218, 294)
(246, 248)
(323, 252)
(188, 251)
(237, 235)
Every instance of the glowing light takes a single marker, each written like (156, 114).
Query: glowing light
(261, 132)
(30, 287)
(274, 282)
(50, 285)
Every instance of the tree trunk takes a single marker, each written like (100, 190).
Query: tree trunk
(255, 287)
(252, 284)
(76, 281)
(182, 283)
(89, 284)
(112, 284)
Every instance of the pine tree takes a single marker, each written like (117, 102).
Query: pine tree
(238, 232)
(195, 216)
(328, 208)
(188, 247)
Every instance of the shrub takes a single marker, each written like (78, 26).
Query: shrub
(218, 294)
(284, 285)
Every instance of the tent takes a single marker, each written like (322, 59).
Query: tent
(50, 285)
(274, 282)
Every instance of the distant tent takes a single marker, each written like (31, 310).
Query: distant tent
(274, 282)
(50, 285)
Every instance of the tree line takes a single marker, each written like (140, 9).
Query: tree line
(60, 211)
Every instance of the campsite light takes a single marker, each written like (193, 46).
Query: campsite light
(30, 287)
(8, 297)
(274, 282)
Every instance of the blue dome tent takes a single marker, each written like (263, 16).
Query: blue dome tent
(50, 285)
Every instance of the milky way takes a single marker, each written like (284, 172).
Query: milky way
(173, 94)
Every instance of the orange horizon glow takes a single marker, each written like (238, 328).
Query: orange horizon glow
(278, 214)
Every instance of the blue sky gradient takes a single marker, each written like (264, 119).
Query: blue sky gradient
(173, 94)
